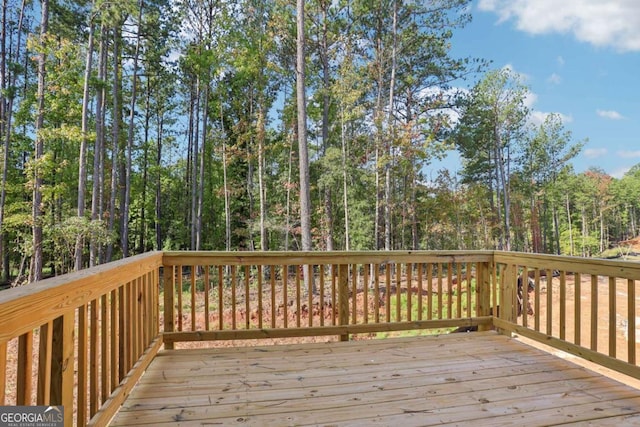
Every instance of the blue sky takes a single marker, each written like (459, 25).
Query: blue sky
(580, 58)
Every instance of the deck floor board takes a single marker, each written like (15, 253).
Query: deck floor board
(457, 379)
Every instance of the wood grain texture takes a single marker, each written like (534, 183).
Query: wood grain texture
(478, 378)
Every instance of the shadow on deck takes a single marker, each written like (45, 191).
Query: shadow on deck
(480, 378)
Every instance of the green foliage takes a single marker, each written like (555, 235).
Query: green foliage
(215, 106)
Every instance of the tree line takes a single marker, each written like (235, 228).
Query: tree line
(134, 125)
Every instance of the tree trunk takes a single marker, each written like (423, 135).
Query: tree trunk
(326, 101)
(6, 120)
(98, 152)
(37, 260)
(82, 161)
(571, 250)
(261, 135)
(200, 196)
(391, 134)
(227, 207)
(345, 195)
(305, 196)
(130, 135)
(158, 204)
(115, 133)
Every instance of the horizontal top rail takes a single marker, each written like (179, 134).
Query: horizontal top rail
(572, 264)
(328, 257)
(25, 308)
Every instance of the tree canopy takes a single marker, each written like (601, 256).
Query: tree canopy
(129, 126)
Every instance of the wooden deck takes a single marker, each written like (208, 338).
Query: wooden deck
(456, 379)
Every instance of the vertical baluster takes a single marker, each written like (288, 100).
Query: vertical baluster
(409, 268)
(429, 291)
(354, 294)
(343, 296)
(83, 366)
(549, 302)
(3, 373)
(420, 290)
(207, 289)
(114, 332)
(179, 290)
(220, 298)
(322, 311)
(94, 402)
(260, 296)
(104, 345)
(468, 286)
(247, 297)
(44, 365)
(594, 312)
(449, 290)
(62, 366)
(169, 311)
(309, 268)
(25, 368)
(524, 285)
(234, 308)
(334, 297)
(285, 297)
(612, 316)
(298, 296)
(274, 309)
(577, 322)
(122, 334)
(397, 270)
(376, 286)
(440, 296)
(536, 319)
(458, 291)
(631, 321)
(563, 305)
(193, 290)
(387, 294)
(130, 325)
(365, 291)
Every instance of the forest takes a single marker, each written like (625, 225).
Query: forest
(137, 125)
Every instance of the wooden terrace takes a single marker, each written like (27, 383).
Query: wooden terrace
(182, 338)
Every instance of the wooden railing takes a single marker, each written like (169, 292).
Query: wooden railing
(83, 340)
(212, 296)
(584, 306)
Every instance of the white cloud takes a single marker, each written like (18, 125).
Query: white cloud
(554, 79)
(594, 153)
(560, 60)
(613, 23)
(523, 77)
(610, 114)
(626, 154)
(530, 99)
(620, 172)
(538, 117)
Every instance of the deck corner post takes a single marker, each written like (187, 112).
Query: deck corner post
(343, 298)
(169, 294)
(508, 293)
(483, 291)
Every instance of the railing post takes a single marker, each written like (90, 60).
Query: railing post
(508, 293)
(169, 292)
(62, 366)
(343, 298)
(483, 291)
